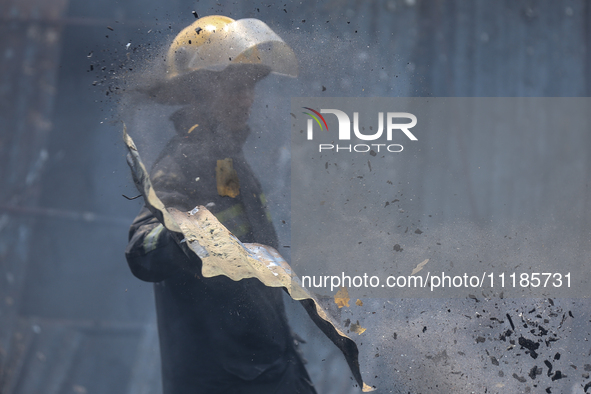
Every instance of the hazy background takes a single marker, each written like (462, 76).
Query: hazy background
(72, 317)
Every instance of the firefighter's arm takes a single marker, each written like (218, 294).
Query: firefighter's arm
(152, 253)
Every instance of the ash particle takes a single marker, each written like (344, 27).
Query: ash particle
(520, 378)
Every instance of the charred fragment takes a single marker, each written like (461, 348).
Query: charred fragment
(132, 198)
(543, 331)
(503, 336)
(520, 378)
(535, 371)
(558, 375)
(549, 365)
(529, 345)
(510, 321)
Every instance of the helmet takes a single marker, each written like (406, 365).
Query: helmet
(215, 42)
(214, 45)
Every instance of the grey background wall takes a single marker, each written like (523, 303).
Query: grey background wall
(72, 317)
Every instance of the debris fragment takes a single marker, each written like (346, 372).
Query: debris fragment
(520, 378)
(529, 345)
(195, 14)
(341, 298)
(510, 322)
(503, 336)
(132, 198)
(228, 183)
(359, 302)
(356, 328)
(535, 372)
(558, 375)
(549, 365)
(110, 28)
(419, 266)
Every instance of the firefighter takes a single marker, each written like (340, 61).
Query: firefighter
(216, 335)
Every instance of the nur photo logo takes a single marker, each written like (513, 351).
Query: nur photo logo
(393, 126)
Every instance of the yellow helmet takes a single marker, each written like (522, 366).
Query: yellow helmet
(215, 42)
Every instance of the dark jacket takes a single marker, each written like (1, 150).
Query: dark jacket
(212, 330)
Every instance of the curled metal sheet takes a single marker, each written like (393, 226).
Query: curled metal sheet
(223, 254)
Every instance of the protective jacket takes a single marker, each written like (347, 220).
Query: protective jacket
(216, 335)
